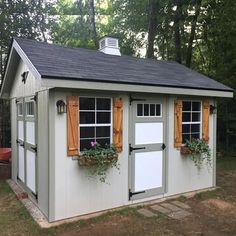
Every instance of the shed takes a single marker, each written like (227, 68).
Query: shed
(147, 108)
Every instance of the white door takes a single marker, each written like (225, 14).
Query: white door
(147, 148)
(26, 140)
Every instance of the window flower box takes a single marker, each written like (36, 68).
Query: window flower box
(185, 150)
(86, 160)
(98, 160)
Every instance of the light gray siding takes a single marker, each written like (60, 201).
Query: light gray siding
(32, 85)
(42, 154)
(73, 194)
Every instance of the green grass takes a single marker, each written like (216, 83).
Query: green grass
(226, 163)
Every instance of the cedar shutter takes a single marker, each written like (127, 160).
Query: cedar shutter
(118, 123)
(178, 123)
(205, 120)
(72, 125)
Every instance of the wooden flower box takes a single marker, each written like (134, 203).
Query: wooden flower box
(90, 161)
(184, 150)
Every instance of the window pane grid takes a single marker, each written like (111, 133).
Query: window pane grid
(149, 110)
(98, 112)
(191, 120)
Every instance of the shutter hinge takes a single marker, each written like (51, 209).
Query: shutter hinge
(135, 193)
(17, 101)
(131, 99)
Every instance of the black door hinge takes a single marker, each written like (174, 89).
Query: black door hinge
(133, 149)
(131, 99)
(34, 149)
(17, 101)
(34, 98)
(163, 146)
(131, 194)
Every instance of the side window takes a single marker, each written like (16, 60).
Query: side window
(29, 108)
(191, 120)
(95, 121)
(20, 109)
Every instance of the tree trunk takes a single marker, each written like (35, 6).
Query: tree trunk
(177, 36)
(152, 27)
(93, 23)
(193, 33)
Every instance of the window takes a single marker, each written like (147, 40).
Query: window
(149, 110)
(29, 108)
(191, 120)
(94, 121)
(20, 109)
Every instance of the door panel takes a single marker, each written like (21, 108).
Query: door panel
(30, 170)
(148, 170)
(30, 132)
(148, 133)
(147, 157)
(21, 163)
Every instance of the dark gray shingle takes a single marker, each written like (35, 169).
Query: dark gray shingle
(54, 61)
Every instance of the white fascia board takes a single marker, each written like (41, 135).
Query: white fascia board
(76, 84)
(2, 92)
(26, 60)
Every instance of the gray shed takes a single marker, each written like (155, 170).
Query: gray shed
(162, 104)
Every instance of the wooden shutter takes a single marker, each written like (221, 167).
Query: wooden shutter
(205, 120)
(72, 125)
(178, 123)
(118, 123)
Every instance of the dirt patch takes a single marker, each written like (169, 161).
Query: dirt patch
(218, 204)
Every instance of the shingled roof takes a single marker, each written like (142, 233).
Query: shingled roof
(67, 63)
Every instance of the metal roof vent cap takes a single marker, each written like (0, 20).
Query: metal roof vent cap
(109, 45)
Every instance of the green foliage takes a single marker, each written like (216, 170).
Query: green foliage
(199, 152)
(98, 160)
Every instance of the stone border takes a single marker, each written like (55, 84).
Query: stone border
(42, 221)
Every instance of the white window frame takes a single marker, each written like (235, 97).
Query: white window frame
(149, 103)
(193, 122)
(97, 125)
(18, 104)
(26, 109)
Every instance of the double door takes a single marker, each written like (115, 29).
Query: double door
(26, 143)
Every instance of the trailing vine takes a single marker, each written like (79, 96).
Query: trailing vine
(199, 152)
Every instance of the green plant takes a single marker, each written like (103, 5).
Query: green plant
(98, 159)
(199, 151)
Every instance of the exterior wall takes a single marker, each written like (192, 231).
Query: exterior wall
(31, 88)
(42, 155)
(72, 193)
(182, 175)
(32, 85)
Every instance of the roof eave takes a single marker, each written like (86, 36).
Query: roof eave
(108, 86)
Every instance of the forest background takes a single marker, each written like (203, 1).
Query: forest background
(200, 34)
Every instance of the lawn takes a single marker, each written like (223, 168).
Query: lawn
(214, 213)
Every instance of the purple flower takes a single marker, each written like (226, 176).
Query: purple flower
(93, 144)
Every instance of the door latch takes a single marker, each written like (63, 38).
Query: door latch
(163, 146)
(133, 149)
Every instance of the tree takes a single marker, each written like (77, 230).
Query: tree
(152, 27)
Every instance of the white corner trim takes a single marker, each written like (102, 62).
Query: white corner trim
(76, 84)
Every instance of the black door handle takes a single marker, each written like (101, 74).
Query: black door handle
(133, 149)
(22, 145)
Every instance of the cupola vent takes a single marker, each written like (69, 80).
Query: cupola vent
(109, 45)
